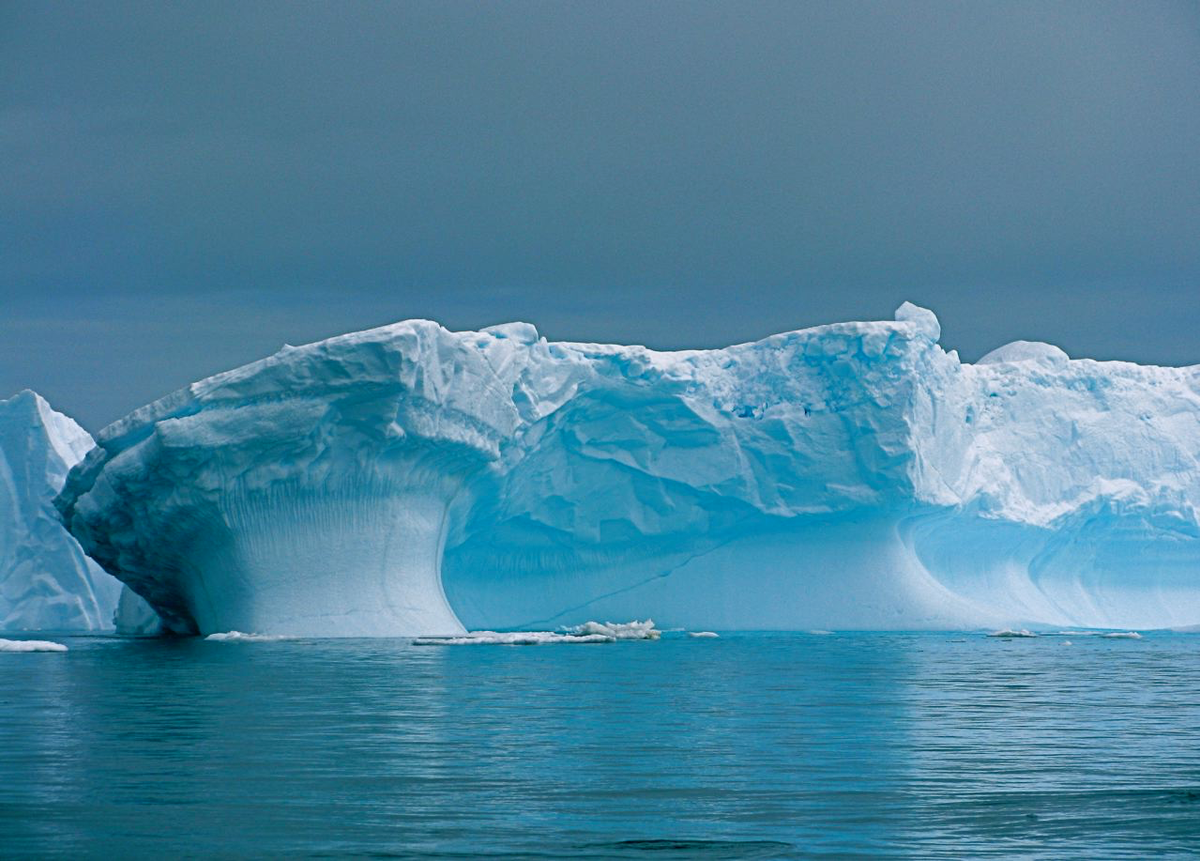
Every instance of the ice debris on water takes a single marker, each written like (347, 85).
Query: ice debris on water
(634, 630)
(241, 637)
(1122, 635)
(1009, 633)
(31, 646)
(588, 632)
(702, 634)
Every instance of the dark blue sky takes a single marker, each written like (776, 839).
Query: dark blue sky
(184, 188)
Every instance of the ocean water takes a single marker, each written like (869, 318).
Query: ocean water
(746, 746)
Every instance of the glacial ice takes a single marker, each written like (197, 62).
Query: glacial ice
(849, 476)
(46, 582)
(134, 617)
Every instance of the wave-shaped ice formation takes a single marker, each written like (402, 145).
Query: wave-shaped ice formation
(848, 476)
(46, 582)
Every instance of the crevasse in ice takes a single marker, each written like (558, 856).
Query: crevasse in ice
(407, 480)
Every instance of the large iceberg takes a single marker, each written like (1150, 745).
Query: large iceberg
(46, 582)
(408, 479)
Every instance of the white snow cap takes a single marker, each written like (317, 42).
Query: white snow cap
(926, 321)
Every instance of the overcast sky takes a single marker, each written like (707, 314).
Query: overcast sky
(185, 187)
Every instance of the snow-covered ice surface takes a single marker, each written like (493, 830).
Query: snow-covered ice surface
(848, 476)
(46, 582)
(31, 646)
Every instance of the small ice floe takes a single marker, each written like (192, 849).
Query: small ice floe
(634, 630)
(240, 637)
(700, 634)
(1010, 634)
(31, 646)
(588, 632)
(1122, 635)
(820, 632)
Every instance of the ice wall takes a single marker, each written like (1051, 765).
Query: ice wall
(46, 582)
(851, 475)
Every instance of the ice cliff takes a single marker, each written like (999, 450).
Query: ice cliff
(46, 582)
(850, 475)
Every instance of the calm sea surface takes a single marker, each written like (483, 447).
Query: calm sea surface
(747, 746)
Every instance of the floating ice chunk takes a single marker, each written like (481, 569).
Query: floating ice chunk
(512, 638)
(31, 646)
(1123, 635)
(240, 637)
(1009, 633)
(634, 630)
(700, 634)
(820, 632)
(588, 632)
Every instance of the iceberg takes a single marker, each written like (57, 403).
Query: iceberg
(413, 481)
(46, 581)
